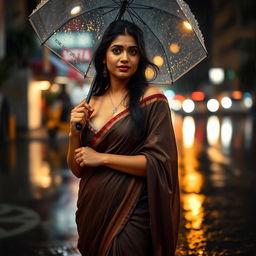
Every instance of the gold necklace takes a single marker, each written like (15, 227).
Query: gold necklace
(115, 108)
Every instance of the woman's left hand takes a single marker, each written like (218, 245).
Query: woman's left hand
(86, 156)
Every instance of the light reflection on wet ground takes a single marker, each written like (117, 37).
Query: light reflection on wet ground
(37, 178)
(217, 175)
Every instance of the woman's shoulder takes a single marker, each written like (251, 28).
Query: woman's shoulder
(152, 90)
(155, 100)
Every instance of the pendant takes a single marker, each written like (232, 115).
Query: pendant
(114, 110)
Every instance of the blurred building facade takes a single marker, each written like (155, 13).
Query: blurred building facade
(17, 78)
(27, 70)
(234, 38)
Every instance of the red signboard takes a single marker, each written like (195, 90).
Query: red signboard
(77, 55)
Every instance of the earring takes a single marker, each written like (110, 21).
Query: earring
(105, 71)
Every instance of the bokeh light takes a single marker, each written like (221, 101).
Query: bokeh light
(226, 132)
(169, 94)
(150, 73)
(237, 95)
(188, 131)
(188, 106)
(226, 102)
(175, 105)
(75, 10)
(213, 105)
(248, 102)
(158, 60)
(213, 130)
(187, 25)
(174, 48)
(216, 75)
(197, 96)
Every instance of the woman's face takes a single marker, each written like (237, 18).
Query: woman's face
(122, 57)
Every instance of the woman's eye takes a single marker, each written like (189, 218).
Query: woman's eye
(133, 51)
(116, 50)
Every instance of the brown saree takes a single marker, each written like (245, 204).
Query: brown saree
(124, 215)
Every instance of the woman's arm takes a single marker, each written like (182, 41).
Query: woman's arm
(80, 114)
(134, 165)
(74, 143)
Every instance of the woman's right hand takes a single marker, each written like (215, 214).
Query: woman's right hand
(80, 114)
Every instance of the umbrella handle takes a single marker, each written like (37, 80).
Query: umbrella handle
(87, 100)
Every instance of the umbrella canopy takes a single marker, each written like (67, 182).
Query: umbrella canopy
(72, 29)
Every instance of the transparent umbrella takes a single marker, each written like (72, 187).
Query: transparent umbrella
(72, 29)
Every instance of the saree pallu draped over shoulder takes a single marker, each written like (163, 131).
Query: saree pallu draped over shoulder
(124, 215)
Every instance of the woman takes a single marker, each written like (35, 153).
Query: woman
(128, 201)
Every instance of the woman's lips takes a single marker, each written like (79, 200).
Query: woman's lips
(123, 68)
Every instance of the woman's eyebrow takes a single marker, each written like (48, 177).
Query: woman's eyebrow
(121, 46)
(117, 45)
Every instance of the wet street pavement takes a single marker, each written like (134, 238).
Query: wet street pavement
(217, 165)
(217, 176)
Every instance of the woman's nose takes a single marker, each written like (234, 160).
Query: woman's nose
(124, 57)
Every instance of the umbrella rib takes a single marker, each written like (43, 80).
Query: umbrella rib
(85, 75)
(142, 5)
(161, 45)
(130, 15)
(146, 7)
(111, 10)
(143, 8)
(116, 2)
(105, 7)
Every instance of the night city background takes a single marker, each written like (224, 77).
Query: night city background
(214, 117)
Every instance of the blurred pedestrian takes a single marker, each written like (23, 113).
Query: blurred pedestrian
(58, 114)
(128, 201)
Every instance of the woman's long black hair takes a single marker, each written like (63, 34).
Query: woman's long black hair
(138, 81)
